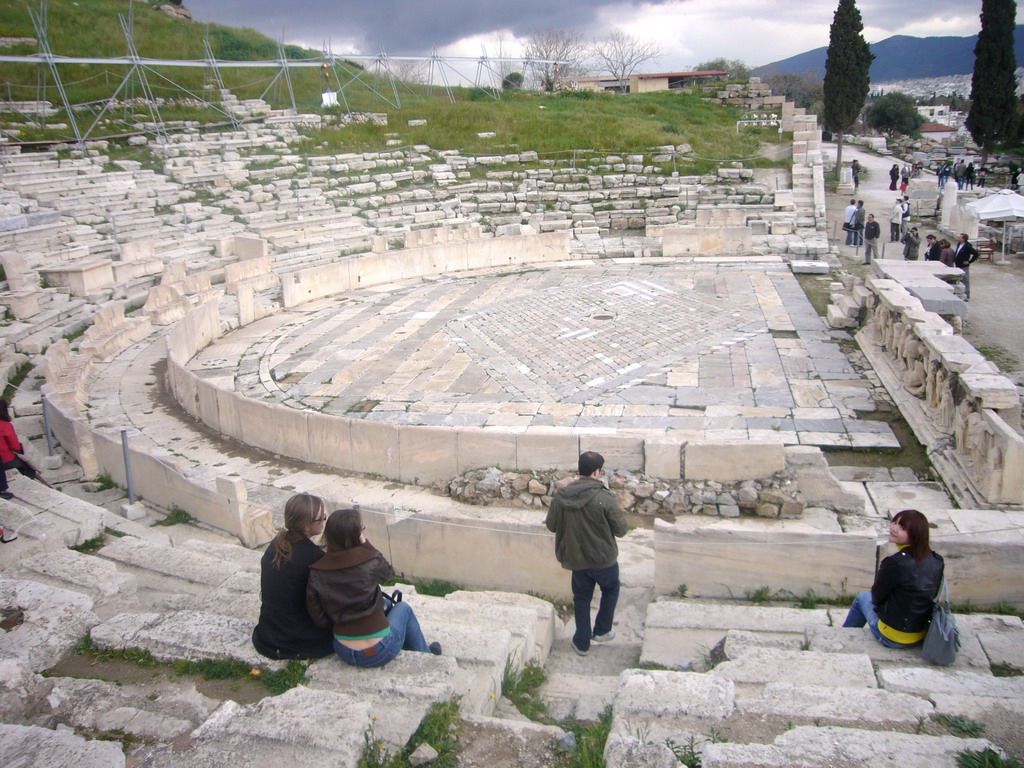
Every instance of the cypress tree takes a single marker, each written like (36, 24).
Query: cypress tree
(992, 117)
(846, 72)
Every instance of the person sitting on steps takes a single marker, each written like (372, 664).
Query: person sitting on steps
(344, 595)
(10, 453)
(898, 608)
(285, 629)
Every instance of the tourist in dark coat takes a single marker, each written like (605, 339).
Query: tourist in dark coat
(965, 254)
(898, 608)
(894, 176)
(285, 629)
(932, 249)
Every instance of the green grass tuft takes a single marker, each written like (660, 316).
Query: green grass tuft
(89, 546)
(964, 727)
(760, 595)
(590, 741)
(176, 516)
(522, 686)
(988, 758)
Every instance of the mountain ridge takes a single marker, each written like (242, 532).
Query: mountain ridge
(900, 57)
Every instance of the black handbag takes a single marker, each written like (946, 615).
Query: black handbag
(390, 601)
(847, 226)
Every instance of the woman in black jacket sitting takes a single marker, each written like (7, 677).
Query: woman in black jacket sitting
(344, 596)
(285, 630)
(898, 608)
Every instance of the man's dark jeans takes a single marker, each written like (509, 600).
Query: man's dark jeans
(583, 583)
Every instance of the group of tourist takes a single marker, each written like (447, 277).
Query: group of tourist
(317, 602)
(965, 174)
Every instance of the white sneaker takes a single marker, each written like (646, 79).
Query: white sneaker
(609, 635)
(576, 649)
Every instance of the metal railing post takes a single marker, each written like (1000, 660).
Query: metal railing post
(46, 427)
(127, 466)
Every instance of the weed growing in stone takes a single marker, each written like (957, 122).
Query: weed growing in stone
(521, 686)
(281, 680)
(1006, 670)
(436, 587)
(213, 669)
(140, 657)
(438, 729)
(90, 546)
(687, 754)
(961, 726)
(988, 758)
(563, 607)
(105, 482)
(590, 741)
(176, 516)
(760, 595)
(681, 590)
(112, 532)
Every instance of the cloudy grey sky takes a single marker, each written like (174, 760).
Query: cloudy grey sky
(756, 31)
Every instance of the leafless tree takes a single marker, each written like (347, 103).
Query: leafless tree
(411, 71)
(562, 45)
(620, 54)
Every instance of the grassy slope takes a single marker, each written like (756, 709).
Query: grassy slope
(584, 121)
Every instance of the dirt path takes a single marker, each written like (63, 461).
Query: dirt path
(995, 323)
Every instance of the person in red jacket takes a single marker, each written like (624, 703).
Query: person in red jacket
(10, 447)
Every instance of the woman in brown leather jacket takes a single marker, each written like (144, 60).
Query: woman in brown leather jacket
(344, 595)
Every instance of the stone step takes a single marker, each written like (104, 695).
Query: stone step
(299, 727)
(174, 635)
(582, 696)
(96, 705)
(810, 747)
(545, 626)
(930, 681)
(522, 743)
(652, 708)
(399, 693)
(821, 705)
(71, 570)
(435, 612)
(22, 746)
(54, 620)
(79, 521)
(760, 666)
(180, 563)
(860, 641)
(679, 632)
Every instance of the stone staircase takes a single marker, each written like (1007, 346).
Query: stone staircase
(199, 600)
(786, 692)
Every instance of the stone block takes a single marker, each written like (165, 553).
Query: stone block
(547, 451)
(834, 746)
(25, 745)
(747, 554)
(375, 448)
(485, 448)
(732, 462)
(820, 703)
(427, 454)
(808, 267)
(768, 665)
(658, 694)
(620, 452)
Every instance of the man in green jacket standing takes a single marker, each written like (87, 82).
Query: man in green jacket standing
(586, 520)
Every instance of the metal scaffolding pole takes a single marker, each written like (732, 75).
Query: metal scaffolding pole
(39, 22)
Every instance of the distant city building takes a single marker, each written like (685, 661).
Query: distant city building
(937, 114)
(645, 83)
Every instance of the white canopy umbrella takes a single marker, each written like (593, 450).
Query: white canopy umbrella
(1006, 205)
